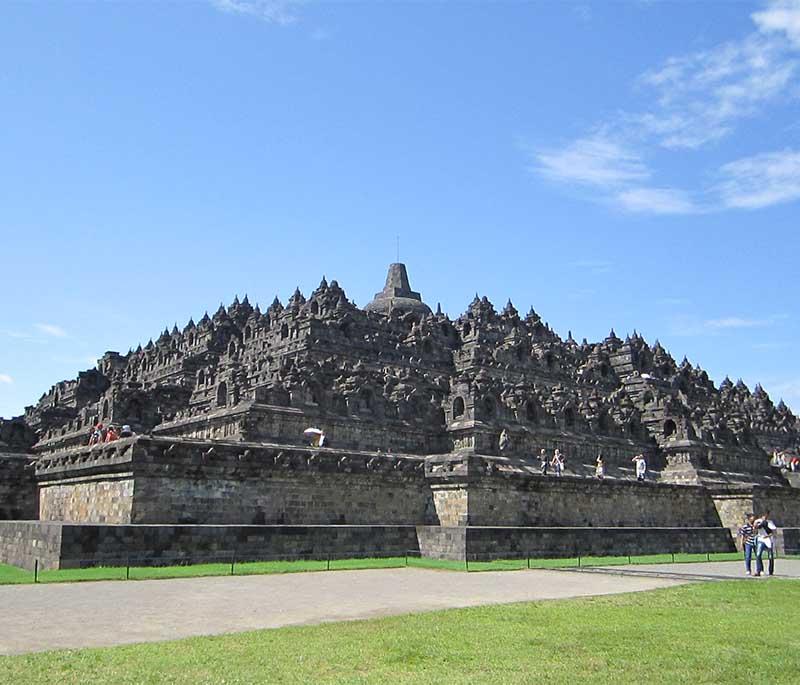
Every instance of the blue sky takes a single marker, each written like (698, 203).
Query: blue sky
(633, 165)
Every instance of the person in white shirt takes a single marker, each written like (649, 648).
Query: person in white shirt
(641, 467)
(600, 467)
(558, 463)
(765, 531)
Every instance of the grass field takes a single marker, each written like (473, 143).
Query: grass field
(700, 633)
(14, 575)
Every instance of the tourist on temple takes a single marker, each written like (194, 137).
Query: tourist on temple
(504, 441)
(111, 434)
(641, 467)
(126, 431)
(543, 462)
(765, 529)
(600, 467)
(748, 535)
(97, 434)
(558, 463)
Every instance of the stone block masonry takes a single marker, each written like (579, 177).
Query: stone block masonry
(475, 543)
(168, 480)
(65, 545)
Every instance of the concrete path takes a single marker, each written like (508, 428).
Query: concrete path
(94, 614)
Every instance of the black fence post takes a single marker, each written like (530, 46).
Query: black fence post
(579, 560)
(708, 556)
(673, 557)
(328, 567)
(629, 559)
(466, 563)
(128, 567)
(529, 562)
(406, 559)
(35, 570)
(233, 560)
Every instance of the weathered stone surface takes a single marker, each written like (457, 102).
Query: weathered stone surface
(413, 405)
(398, 377)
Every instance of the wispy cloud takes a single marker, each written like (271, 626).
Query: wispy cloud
(6, 379)
(735, 322)
(698, 99)
(281, 12)
(761, 180)
(701, 96)
(781, 16)
(770, 345)
(692, 326)
(51, 330)
(656, 201)
(594, 161)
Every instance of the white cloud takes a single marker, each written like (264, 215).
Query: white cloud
(595, 161)
(685, 325)
(780, 16)
(700, 98)
(6, 379)
(656, 201)
(51, 330)
(735, 322)
(760, 180)
(272, 11)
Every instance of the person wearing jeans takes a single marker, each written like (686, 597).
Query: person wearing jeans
(764, 541)
(748, 535)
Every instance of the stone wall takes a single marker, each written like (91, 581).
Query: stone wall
(58, 545)
(23, 542)
(251, 421)
(170, 480)
(509, 542)
(789, 541)
(290, 497)
(442, 542)
(96, 500)
(18, 496)
(733, 504)
(485, 491)
(546, 501)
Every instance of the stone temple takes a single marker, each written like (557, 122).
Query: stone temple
(413, 405)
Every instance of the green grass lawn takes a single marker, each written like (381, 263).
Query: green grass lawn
(700, 633)
(12, 574)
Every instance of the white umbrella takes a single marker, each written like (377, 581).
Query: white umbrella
(312, 432)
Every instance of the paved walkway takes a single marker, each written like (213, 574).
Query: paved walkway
(94, 614)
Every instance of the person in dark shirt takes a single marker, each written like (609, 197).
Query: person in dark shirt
(748, 534)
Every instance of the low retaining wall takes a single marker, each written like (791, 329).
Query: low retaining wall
(22, 542)
(492, 542)
(68, 545)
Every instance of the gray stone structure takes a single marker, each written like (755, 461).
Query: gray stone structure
(413, 404)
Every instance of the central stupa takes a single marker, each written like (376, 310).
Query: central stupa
(397, 294)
